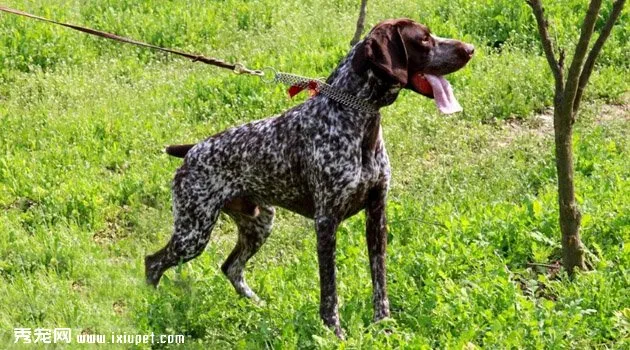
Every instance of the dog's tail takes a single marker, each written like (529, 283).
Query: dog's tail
(178, 151)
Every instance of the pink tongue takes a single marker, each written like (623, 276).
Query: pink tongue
(443, 94)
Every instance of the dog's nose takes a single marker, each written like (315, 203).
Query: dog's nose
(470, 49)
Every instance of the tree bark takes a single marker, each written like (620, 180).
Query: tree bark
(570, 217)
(597, 48)
(573, 77)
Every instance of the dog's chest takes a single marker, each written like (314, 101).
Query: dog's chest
(373, 173)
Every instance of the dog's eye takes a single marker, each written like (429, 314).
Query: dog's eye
(427, 39)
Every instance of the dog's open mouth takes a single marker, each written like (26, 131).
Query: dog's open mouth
(437, 87)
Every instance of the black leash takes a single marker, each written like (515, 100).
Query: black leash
(237, 68)
(297, 82)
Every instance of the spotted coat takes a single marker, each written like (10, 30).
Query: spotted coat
(321, 159)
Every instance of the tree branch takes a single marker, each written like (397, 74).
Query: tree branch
(588, 26)
(595, 50)
(556, 68)
(360, 24)
(549, 266)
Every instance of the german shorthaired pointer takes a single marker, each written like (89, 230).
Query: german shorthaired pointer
(321, 159)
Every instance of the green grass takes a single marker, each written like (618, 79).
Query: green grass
(85, 188)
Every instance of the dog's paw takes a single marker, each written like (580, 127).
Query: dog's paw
(339, 333)
(258, 301)
(385, 325)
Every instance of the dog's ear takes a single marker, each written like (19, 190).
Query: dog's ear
(384, 48)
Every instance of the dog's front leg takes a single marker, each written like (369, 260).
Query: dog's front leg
(326, 228)
(376, 234)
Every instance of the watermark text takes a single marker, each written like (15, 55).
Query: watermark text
(64, 336)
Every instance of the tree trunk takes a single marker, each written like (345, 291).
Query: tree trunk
(568, 94)
(572, 249)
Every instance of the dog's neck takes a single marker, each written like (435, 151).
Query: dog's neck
(364, 84)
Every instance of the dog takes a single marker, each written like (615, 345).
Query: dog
(323, 159)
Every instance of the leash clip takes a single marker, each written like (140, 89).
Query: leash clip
(272, 75)
(239, 68)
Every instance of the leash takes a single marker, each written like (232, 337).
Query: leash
(298, 83)
(236, 67)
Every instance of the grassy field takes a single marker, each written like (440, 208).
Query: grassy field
(85, 187)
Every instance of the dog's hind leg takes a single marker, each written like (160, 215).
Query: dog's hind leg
(195, 214)
(252, 233)
(190, 237)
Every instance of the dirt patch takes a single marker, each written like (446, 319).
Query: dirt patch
(541, 125)
(611, 113)
(119, 307)
(78, 286)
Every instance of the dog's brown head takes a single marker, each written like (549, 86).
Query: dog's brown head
(406, 53)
